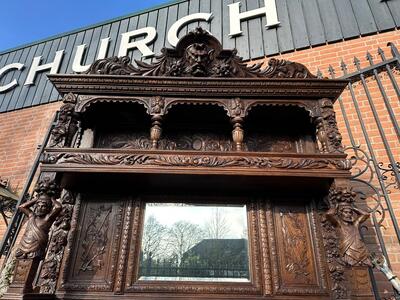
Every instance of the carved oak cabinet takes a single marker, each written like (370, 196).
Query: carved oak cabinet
(198, 129)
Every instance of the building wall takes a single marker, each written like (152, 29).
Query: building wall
(22, 130)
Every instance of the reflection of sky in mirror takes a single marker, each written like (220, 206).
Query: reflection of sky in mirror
(169, 213)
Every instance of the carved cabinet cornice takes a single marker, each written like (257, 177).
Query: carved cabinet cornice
(200, 73)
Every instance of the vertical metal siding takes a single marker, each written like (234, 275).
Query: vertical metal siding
(284, 31)
(11, 58)
(303, 23)
(254, 33)
(161, 21)
(242, 42)
(270, 37)
(315, 28)
(364, 17)
(347, 19)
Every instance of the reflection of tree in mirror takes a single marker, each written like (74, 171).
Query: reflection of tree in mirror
(217, 226)
(214, 249)
(153, 237)
(181, 237)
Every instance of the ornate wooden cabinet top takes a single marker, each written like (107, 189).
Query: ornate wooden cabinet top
(197, 108)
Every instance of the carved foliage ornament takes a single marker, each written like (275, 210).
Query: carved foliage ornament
(59, 233)
(336, 269)
(66, 127)
(328, 135)
(199, 54)
(193, 161)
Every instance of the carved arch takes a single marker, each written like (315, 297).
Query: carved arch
(84, 102)
(312, 111)
(175, 102)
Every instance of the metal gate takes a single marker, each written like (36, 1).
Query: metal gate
(368, 113)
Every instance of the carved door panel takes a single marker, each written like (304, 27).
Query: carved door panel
(297, 260)
(90, 264)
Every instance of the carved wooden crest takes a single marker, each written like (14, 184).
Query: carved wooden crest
(199, 54)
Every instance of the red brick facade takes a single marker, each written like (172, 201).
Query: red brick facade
(23, 130)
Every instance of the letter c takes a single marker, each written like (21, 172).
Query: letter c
(6, 69)
(173, 31)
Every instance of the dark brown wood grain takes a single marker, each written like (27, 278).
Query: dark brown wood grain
(199, 125)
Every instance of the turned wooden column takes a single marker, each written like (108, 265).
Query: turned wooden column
(236, 111)
(155, 131)
(156, 110)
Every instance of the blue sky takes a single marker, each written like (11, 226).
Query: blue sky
(25, 21)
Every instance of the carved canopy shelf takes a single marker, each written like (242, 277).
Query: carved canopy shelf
(200, 72)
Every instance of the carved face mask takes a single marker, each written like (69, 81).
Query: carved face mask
(43, 206)
(346, 214)
(199, 57)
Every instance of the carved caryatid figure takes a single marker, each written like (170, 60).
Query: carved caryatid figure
(34, 240)
(347, 218)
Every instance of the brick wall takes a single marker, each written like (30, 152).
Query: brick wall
(21, 131)
(321, 58)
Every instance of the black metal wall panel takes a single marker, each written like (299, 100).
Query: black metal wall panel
(312, 17)
(270, 38)
(255, 29)
(365, 19)
(37, 96)
(347, 19)
(394, 7)
(216, 24)
(152, 22)
(66, 61)
(382, 16)
(45, 98)
(227, 42)
(303, 23)
(330, 20)
(242, 41)
(284, 30)
(44, 52)
(9, 97)
(298, 24)
(161, 29)
(21, 91)
(10, 58)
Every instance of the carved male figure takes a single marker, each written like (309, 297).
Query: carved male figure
(348, 219)
(34, 240)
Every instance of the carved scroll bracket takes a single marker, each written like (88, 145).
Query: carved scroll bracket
(51, 266)
(67, 123)
(327, 132)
